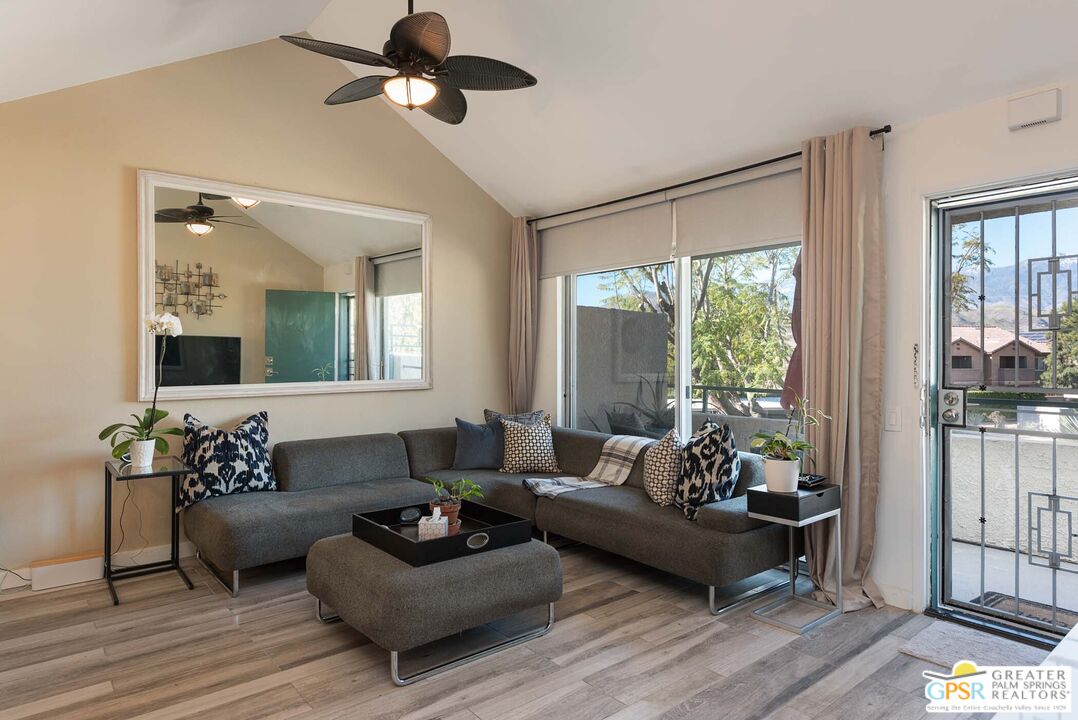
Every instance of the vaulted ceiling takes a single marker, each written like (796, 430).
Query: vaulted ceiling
(51, 44)
(632, 93)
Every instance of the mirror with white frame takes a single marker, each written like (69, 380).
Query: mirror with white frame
(279, 293)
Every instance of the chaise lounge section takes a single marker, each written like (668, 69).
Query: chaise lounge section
(321, 483)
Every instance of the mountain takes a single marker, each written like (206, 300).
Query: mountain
(999, 297)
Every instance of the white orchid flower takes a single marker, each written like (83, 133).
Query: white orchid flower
(164, 324)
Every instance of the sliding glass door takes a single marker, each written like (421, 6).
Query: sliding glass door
(626, 349)
(623, 364)
(741, 337)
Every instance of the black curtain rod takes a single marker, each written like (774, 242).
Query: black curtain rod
(724, 173)
(393, 254)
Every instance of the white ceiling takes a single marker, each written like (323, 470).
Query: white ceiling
(326, 237)
(51, 44)
(329, 238)
(633, 94)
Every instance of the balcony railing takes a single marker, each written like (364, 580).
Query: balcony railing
(734, 400)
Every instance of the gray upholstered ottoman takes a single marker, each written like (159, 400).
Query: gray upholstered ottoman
(400, 607)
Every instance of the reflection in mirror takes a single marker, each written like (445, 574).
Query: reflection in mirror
(270, 292)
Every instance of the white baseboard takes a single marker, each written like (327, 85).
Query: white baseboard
(154, 553)
(85, 569)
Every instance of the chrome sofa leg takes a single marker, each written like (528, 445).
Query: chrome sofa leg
(744, 598)
(233, 587)
(323, 617)
(545, 538)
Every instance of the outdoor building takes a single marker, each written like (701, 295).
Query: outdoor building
(1002, 363)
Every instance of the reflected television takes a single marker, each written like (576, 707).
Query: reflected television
(200, 360)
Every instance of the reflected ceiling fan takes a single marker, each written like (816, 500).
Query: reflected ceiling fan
(200, 217)
(428, 77)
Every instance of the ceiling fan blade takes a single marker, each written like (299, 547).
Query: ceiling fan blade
(229, 222)
(341, 52)
(171, 215)
(208, 196)
(449, 105)
(421, 36)
(472, 72)
(361, 89)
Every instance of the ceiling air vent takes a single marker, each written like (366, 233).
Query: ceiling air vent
(1039, 108)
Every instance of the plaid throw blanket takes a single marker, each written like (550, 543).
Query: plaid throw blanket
(615, 463)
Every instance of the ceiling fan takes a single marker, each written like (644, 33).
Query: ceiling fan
(199, 218)
(428, 77)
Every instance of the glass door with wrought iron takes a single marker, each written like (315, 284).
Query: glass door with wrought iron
(1006, 418)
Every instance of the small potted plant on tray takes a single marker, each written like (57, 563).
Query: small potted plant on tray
(448, 498)
(783, 452)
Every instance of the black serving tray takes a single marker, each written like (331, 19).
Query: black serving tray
(482, 529)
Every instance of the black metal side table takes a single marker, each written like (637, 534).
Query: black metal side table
(119, 471)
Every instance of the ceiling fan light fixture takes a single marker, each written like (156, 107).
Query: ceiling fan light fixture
(199, 227)
(245, 203)
(410, 91)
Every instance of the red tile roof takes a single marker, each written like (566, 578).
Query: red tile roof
(996, 339)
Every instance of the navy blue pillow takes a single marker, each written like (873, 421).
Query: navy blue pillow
(479, 447)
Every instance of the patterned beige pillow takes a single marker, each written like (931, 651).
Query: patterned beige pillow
(662, 468)
(529, 448)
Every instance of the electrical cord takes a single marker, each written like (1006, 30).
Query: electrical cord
(3, 577)
(8, 571)
(123, 535)
(145, 542)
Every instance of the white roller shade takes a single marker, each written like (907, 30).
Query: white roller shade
(755, 213)
(638, 236)
(398, 277)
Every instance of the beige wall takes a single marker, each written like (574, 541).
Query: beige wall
(248, 261)
(68, 318)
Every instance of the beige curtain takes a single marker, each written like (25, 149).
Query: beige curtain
(523, 314)
(364, 311)
(842, 346)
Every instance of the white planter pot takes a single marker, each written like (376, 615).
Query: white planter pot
(142, 453)
(781, 475)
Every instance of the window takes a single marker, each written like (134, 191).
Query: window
(962, 362)
(742, 337)
(738, 345)
(1006, 362)
(625, 351)
(401, 331)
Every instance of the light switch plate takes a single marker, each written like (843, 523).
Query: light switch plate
(892, 419)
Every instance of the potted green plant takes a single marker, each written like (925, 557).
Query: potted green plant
(783, 452)
(138, 440)
(448, 498)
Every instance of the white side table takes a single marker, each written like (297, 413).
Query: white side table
(797, 510)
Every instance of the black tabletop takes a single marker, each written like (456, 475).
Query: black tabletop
(166, 466)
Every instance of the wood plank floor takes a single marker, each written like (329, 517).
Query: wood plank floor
(629, 643)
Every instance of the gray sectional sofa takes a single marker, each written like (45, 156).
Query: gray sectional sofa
(322, 482)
